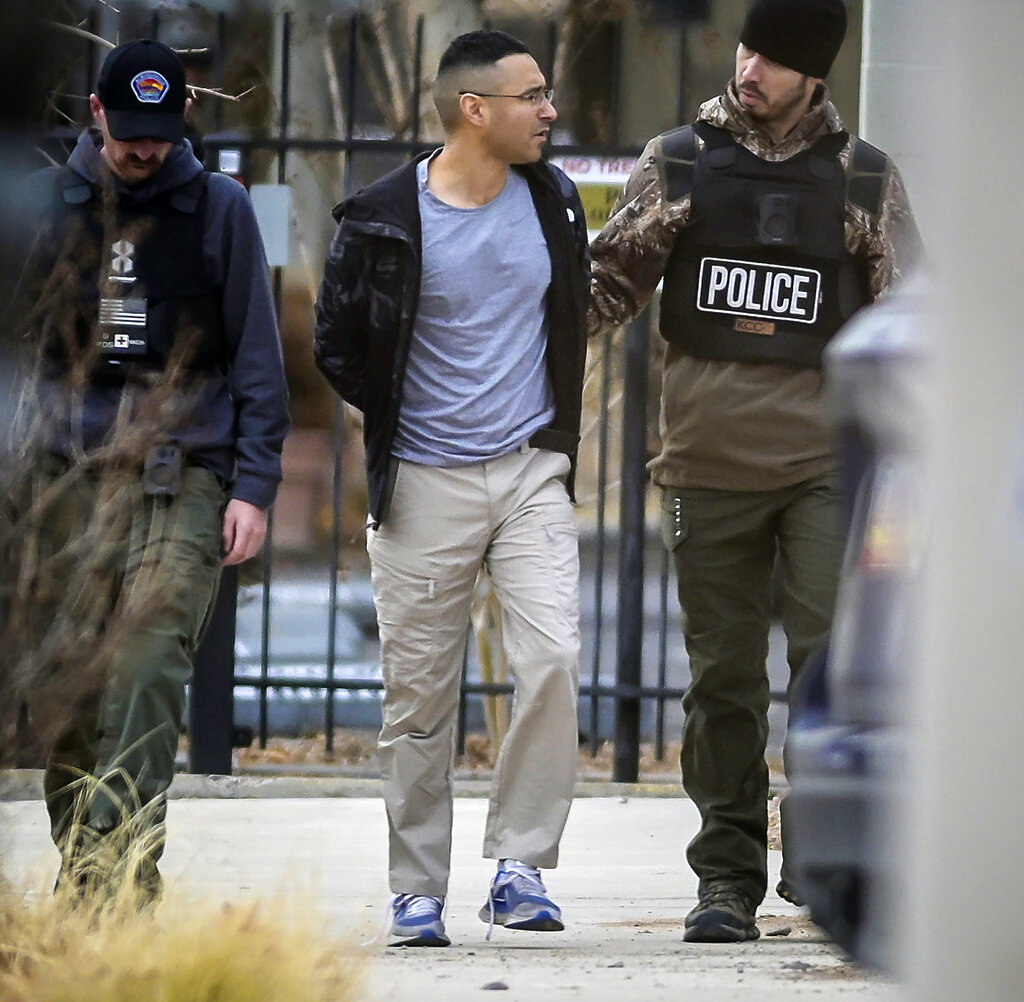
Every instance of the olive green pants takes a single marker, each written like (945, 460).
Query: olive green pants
(156, 561)
(724, 545)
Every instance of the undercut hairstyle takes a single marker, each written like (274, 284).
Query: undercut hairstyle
(465, 55)
(479, 48)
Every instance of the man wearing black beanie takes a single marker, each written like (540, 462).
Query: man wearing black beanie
(769, 225)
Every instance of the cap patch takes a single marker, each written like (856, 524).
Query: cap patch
(150, 87)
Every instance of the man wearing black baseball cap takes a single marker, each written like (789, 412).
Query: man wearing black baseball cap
(769, 226)
(142, 90)
(139, 107)
(162, 375)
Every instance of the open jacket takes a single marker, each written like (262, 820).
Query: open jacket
(366, 310)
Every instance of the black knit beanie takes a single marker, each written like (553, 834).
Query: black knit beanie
(804, 35)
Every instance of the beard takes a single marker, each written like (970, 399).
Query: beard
(781, 107)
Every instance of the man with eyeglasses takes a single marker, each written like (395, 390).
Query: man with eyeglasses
(769, 225)
(452, 314)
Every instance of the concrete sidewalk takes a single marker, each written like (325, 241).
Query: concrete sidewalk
(623, 885)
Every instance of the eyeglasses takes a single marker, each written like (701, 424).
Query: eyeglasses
(535, 97)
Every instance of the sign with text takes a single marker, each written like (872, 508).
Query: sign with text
(752, 289)
(600, 181)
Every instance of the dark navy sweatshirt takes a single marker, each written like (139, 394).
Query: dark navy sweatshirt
(238, 423)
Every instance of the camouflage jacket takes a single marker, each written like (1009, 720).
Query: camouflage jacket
(736, 425)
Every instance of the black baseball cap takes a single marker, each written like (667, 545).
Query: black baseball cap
(142, 89)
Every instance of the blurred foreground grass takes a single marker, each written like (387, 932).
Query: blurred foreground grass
(181, 951)
(107, 933)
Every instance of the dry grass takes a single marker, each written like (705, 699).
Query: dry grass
(186, 951)
(358, 749)
(351, 748)
(102, 935)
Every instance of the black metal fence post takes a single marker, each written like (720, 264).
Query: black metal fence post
(211, 694)
(632, 535)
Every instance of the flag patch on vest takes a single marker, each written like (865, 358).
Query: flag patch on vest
(123, 327)
(753, 289)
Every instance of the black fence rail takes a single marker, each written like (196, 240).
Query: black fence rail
(613, 703)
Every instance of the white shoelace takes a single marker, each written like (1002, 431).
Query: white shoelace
(418, 905)
(511, 870)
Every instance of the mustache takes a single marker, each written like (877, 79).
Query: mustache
(752, 88)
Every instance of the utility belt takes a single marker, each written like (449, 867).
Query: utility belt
(161, 472)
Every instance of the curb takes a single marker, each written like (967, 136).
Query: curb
(27, 784)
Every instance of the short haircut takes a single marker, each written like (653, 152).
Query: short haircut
(461, 64)
(479, 48)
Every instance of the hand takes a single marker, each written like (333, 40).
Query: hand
(245, 528)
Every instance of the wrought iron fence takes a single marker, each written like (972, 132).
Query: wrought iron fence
(625, 693)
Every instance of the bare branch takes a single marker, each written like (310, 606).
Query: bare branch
(217, 92)
(68, 96)
(82, 34)
(57, 111)
(46, 156)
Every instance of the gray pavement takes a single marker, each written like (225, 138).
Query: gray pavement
(623, 885)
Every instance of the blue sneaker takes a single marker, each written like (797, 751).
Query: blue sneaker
(519, 900)
(416, 921)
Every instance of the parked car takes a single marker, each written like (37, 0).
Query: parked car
(297, 651)
(846, 748)
(297, 646)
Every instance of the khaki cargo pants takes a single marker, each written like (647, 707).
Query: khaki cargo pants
(512, 517)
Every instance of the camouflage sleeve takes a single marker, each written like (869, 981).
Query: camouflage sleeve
(890, 243)
(630, 253)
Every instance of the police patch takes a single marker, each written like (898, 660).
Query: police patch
(150, 87)
(750, 326)
(753, 289)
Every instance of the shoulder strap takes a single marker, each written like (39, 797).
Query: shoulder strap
(679, 152)
(187, 198)
(680, 144)
(823, 156)
(719, 145)
(74, 188)
(865, 171)
(679, 149)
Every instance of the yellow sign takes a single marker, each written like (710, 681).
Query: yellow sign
(598, 201)
(600, 181)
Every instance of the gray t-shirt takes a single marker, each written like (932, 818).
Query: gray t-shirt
(476, 383)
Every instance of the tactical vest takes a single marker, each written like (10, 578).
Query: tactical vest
(145, 294)
(761, 273)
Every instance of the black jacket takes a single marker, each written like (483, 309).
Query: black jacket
(367, 307)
